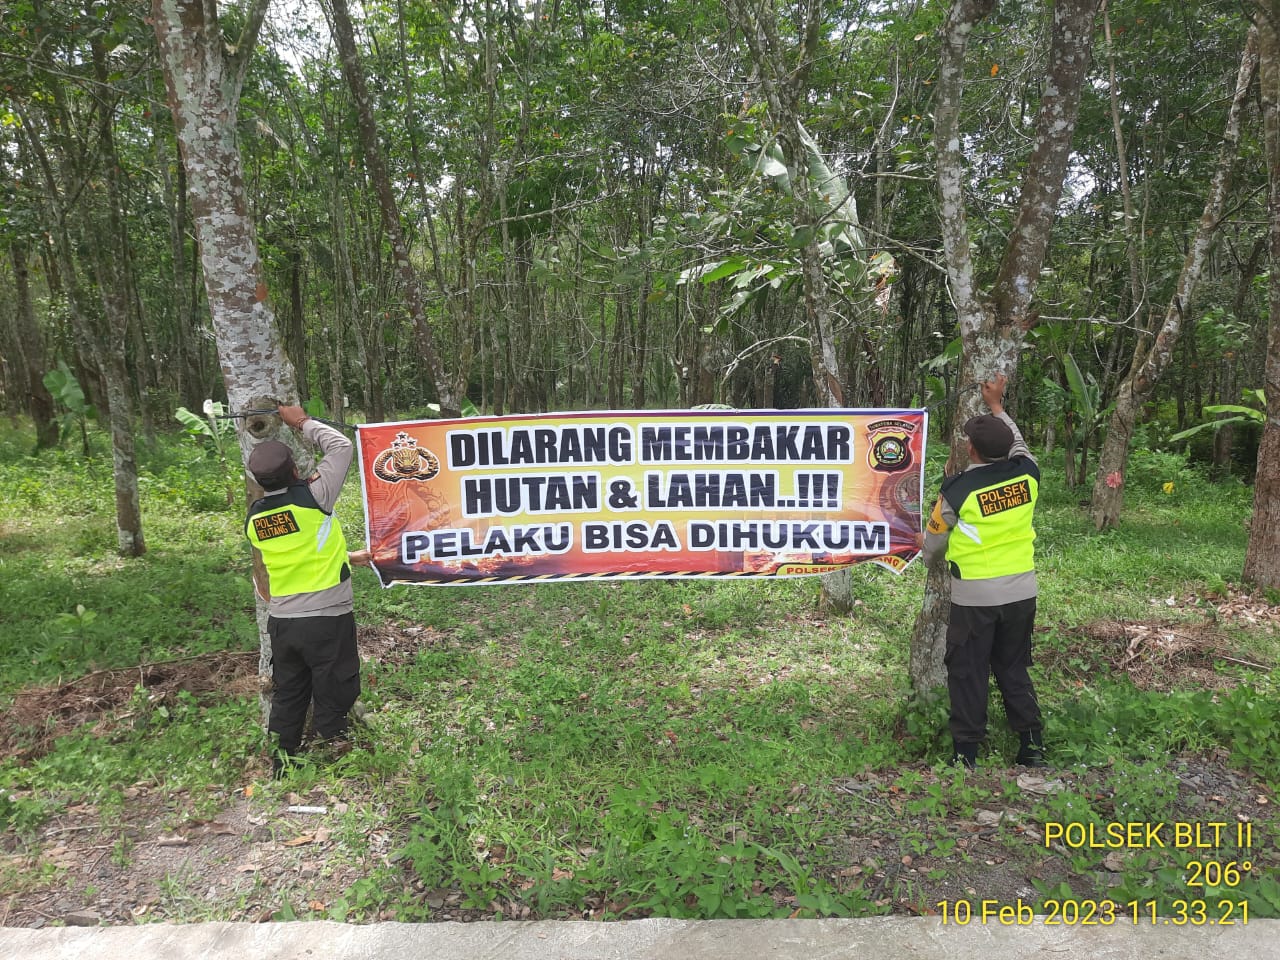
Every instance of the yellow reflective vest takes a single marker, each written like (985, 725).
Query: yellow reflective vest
(302, 545)
(994, 504)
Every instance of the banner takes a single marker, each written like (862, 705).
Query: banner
(688, 493)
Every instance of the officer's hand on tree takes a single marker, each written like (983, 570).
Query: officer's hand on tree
(993, 393)
(293, 417)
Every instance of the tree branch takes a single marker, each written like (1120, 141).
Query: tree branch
(1042, 181)
(238, 61)
(964, 16)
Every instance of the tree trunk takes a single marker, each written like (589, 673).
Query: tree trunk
(113, 290)
(190, 377)
(449, 389)
(1148, 366)
(1262, 556)
(31, 354)
(297, 329)
(993, 326)
(204, 78)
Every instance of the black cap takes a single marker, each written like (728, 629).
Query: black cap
(271, 463)
(990, 436)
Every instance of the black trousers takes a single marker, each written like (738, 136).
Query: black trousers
(313, 658)
(982, 641)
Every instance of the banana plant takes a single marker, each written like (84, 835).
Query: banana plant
(830, 217)
(1083, 414)
(69, 395)
(220, 433)
(1255, 413)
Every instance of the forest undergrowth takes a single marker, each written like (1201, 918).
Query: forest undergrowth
(618, 750)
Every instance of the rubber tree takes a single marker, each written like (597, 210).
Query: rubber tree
(69, 138)
(993, 322)
(1152, 359)
(204, 75)
(1262, 557)
(449, 387)
(30, 348)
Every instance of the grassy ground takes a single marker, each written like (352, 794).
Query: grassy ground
(703, 749)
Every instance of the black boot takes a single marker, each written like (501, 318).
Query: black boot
(966, 755)
(1031, 753)
(281, 760)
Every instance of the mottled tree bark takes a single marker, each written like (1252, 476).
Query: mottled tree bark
(204, 78)
(993, 324)
(1262, 557)
(1150, 362)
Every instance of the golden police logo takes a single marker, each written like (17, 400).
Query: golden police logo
(405, 460)
(889, 445)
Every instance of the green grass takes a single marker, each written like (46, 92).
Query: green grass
(189, 594)
(623, 749)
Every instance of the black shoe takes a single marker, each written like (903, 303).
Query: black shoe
(1031, 753)
(281, 761)
(1031, 757)
(966, 755)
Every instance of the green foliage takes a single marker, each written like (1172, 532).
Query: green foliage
(648, 748)
(1085, 395)
(65, 605)
(183, 745)
(1255, 414)
(771, 232)
(20, 814)
(220, 433)
(68, 394)
(469, 409)
(1151, 469)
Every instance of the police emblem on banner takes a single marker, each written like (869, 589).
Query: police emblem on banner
(889, 445)
(405, 460)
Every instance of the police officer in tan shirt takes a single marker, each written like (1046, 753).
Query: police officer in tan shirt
(982, 526)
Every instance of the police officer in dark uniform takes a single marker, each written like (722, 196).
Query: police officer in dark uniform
(982, 524)
(311, 619)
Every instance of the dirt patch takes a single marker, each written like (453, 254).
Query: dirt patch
(393, 644)
(911, 848)
(1238, 607)
(912, 838)
(39, 716)
(152, 860)
(907, 837)
(1154, 654)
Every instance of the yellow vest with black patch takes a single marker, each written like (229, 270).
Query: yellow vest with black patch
(994, 504)
(302, 545)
